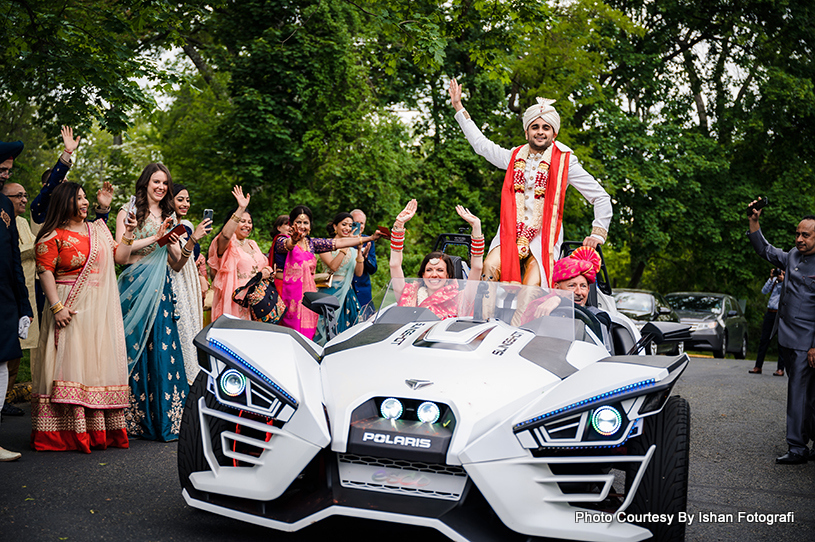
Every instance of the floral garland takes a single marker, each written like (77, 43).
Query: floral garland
(524, 233)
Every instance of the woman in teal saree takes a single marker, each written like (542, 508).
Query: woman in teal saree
(343, 263)
(155, 361)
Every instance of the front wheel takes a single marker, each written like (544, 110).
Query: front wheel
(722, 351)
(664, 487)
(742, 353)
(679, 349)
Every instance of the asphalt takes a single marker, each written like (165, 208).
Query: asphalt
(737, 430)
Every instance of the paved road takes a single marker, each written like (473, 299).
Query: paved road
(737, 430)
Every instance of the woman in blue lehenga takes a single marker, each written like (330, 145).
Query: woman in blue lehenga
(344, 263)
(155, 362)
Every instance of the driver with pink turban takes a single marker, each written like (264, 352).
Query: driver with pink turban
(574, 273)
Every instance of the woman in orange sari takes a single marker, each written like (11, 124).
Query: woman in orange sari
(80, 373)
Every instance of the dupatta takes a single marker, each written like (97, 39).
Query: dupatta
(443, 302)
(140, 289)
(298, 278)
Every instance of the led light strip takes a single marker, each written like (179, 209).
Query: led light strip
(608, 394)
(221, 346)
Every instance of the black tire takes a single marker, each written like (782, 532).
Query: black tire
(742, 353)
(664, 486)
(679, 349)
(722, 351)
(190, 446)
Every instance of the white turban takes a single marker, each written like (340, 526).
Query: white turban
(544, 110)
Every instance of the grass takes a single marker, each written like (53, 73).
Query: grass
(24, 373)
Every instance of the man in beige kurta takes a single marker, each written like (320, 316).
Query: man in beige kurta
(17, 194)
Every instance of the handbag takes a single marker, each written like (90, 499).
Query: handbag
(262, 299)
(323, 280)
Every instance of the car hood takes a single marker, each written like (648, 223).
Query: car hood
(695, 316)
(646, 316)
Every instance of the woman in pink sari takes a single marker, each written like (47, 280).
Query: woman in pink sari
(79, 374)
(434, 291)
(235, 259)
(298, 274)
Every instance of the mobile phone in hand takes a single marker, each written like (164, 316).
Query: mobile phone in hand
(356, 229)
(758, 205)
(131, 207)
(208, 215)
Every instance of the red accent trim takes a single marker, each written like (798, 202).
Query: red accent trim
(551, 189)
(510, 263)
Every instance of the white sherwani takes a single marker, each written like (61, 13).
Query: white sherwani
(578, 177)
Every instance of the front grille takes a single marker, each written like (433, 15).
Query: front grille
(402, 477)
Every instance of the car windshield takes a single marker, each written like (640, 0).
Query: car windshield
(545, 312)
(636, 302)
(696, 303)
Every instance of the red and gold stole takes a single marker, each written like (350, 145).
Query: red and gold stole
(552, 216)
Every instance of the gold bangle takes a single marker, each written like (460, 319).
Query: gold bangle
(56, 307)
(360, 260)
(236, 218)
(128, 240)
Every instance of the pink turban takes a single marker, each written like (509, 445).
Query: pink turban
(583, 261)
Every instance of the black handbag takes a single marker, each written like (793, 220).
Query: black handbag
(260, 296)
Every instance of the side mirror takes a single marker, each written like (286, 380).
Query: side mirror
(732, 313)
(322, 304)
(664, 310)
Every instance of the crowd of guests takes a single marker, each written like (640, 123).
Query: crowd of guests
(113, 358)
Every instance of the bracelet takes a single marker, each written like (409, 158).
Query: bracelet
(397, 240)
(185, 252)
(128, 240)
(236, 218)
(69, 152)
(101, 210)
(56, 307)
(477, 246)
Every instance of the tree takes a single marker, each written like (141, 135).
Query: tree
(80, 62)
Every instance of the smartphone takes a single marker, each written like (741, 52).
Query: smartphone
(760, 204)
(131, 206)
(357, 228)
(208, 215)
(178, 230)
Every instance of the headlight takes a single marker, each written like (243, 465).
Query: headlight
(391, 408)
(233, 383)
(428, 412)
(606, 420)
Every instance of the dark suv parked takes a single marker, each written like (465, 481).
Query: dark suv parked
(717, 322)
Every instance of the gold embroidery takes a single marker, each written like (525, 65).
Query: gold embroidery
(6, 218)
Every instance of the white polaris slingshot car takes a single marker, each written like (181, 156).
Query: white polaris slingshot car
(484, 426)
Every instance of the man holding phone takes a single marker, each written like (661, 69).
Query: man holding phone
(796, 332)
(362, 284)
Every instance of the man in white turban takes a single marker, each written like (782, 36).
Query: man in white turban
(533, 194)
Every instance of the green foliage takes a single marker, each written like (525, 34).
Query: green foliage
(79, 62)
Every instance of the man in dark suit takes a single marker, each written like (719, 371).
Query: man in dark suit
(796, 331)
(16, 314)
